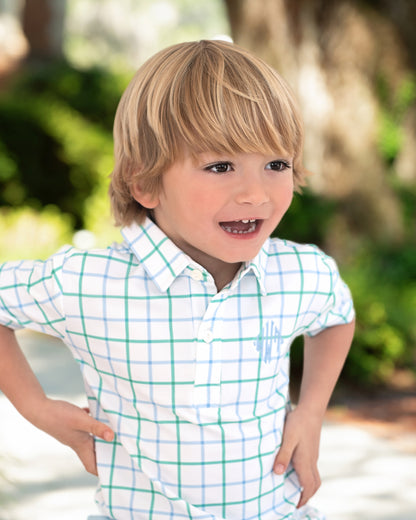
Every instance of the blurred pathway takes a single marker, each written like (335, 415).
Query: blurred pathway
(364, 476)
(40, 479)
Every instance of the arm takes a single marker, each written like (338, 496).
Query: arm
(324, 357)
(69, 424)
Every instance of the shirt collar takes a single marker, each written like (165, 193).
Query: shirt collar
(164, 261)
(160, 257)
(257, 266)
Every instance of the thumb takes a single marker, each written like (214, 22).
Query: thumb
(102, 431)
(97, 428)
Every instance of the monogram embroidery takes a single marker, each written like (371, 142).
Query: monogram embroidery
(268, 342)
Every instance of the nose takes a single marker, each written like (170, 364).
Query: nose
(252, 190)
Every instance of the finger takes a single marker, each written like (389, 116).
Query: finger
(86, 454)
(309, 487)
(283, 458)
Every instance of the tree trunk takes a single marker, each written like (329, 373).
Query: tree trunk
(345, 61)
(43, 24)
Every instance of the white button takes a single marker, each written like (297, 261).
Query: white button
(197, 275)
(207, 336)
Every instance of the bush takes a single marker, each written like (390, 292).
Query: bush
(55, 138)
(383, 283)
(93, 92)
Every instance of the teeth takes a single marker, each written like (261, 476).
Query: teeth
(251, 229)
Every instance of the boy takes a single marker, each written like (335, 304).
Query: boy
(183, 331)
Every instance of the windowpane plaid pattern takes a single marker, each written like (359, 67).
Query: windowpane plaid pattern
(193, 382)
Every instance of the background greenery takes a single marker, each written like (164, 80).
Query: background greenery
(56, 155)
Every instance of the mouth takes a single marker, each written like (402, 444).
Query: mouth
(241, 227)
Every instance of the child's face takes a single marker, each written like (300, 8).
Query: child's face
(220, 209)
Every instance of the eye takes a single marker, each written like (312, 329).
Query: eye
(278, 165)
(220, 167)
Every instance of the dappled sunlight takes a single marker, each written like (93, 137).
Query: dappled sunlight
(26, 233)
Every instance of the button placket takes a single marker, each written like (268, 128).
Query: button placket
(207, 336)
(207, 388)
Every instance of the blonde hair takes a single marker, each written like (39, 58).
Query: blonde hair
(198, 96)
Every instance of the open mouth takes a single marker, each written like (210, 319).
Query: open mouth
(241, 227)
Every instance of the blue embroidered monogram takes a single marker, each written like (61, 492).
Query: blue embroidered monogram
(268, 343)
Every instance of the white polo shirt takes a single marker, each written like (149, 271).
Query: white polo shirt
(194, 382)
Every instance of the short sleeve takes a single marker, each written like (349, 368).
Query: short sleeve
(339, 308)
(31, 295)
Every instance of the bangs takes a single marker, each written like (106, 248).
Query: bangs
(225, 102)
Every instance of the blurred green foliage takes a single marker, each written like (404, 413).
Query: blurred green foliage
(55, 158)
(56, 137)
(394, 105)
(92, 92)
(383, 283)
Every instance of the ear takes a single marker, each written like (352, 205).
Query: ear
(145, 198)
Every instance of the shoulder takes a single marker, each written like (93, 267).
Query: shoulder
(72, 261)
(300, 267)
(305, 256)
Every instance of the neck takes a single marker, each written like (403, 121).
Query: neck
(223, 275)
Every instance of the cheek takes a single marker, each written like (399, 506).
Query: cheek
(203, 200)
(289, 197)
(284, 196)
